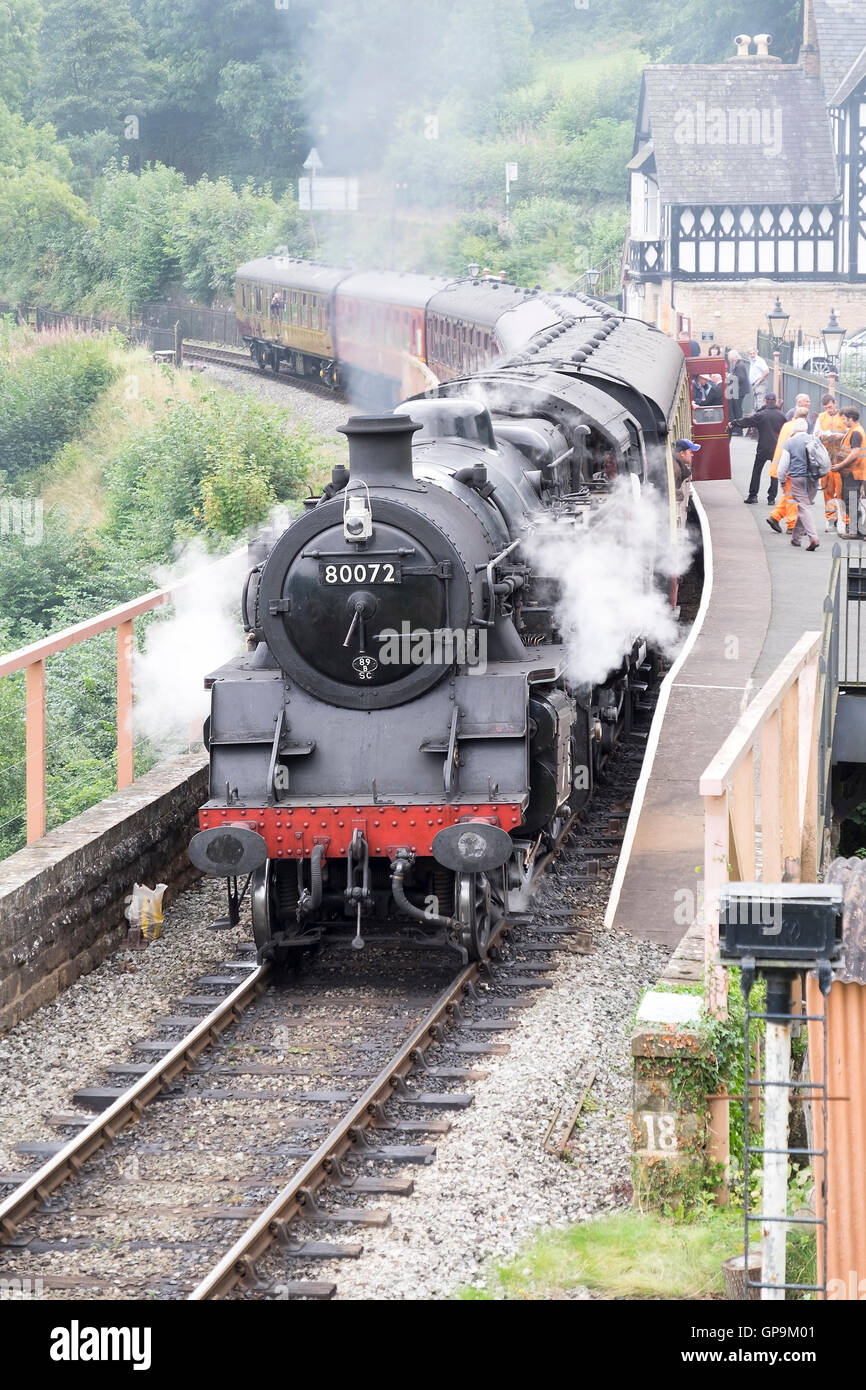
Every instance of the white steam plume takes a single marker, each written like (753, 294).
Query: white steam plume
(607, 600)
(203, 631)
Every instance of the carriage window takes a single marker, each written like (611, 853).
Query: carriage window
(285, 314)
(258, 299)
(294, 306)
(243, 296)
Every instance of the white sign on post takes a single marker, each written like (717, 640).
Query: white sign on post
(328, 195)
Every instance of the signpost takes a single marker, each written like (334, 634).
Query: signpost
(510, 178)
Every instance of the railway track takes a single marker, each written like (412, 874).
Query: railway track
(214, 1135)
(238, 359)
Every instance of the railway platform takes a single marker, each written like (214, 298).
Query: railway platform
(760, 596)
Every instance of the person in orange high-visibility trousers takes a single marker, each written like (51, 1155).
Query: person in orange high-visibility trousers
(831, 428)
(786, 507)
(852, 467)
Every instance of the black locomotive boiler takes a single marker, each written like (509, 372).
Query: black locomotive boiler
(403, 743)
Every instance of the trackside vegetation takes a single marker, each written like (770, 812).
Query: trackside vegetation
(126, 463)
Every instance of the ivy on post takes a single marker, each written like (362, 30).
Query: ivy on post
(678, 1065)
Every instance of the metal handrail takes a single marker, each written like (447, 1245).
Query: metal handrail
(31, 660)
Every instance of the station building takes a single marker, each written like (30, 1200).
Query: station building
(748, 181)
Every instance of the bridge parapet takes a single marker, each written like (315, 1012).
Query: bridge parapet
(62, 898)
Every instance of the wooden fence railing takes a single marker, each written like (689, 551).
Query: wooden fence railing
(31, 660)
(766, 772)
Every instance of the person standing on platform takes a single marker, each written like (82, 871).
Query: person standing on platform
(684, 452)
(767, 421)
(736, 384)
(801, 403)
(786, 510)
(758, 373)
(852, 467)
(804, 460)
(831, 428)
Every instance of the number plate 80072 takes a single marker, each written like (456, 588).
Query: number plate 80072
(360, 572)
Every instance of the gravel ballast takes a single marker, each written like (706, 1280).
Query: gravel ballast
(68, 1043)
(492, 1186)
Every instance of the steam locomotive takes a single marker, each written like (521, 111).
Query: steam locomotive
(403, 744)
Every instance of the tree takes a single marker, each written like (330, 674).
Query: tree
(93, 69)
(231, 84)
(135, 213)
(705, 32)
(22, 144)
(19, 27)
(215, 229)
(41, 221)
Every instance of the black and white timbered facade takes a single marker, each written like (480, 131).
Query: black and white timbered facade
(752, 168)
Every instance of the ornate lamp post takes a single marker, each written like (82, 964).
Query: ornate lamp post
(777, 320)
(833, 337)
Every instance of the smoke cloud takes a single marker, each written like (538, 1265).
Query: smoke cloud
(608, 600)
(203, 630)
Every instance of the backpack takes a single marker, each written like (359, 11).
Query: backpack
(817, 461)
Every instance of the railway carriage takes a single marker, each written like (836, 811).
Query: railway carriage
(285, 312)
(381, 332)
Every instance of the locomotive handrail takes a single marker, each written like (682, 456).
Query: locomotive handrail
(31, 660)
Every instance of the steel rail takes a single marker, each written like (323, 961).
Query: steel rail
(238, 1263)
(128, 1107)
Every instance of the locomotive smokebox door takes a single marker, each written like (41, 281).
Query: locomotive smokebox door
(229, 851)
(472, 847)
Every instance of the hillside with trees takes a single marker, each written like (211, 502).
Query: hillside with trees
(148, 146)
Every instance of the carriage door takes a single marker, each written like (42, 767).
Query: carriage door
(709, 407)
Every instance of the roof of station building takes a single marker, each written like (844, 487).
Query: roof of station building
(745, 131)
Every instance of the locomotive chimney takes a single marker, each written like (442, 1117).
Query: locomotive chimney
(380, 449)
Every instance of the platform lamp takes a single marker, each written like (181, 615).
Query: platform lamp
(778, 321)
(592, 277)
(833, 337)
(474, 270)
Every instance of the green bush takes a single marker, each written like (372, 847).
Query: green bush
(45, 397)
(218, 465)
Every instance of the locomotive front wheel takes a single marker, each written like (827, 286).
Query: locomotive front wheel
(263, 903)
(473, 908)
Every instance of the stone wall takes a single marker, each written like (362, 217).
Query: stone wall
(735, 310)
(62, 898)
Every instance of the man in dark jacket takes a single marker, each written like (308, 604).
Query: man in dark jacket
(767, 422)
(737, 384)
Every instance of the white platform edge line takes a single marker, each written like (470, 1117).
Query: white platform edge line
(659, 716)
